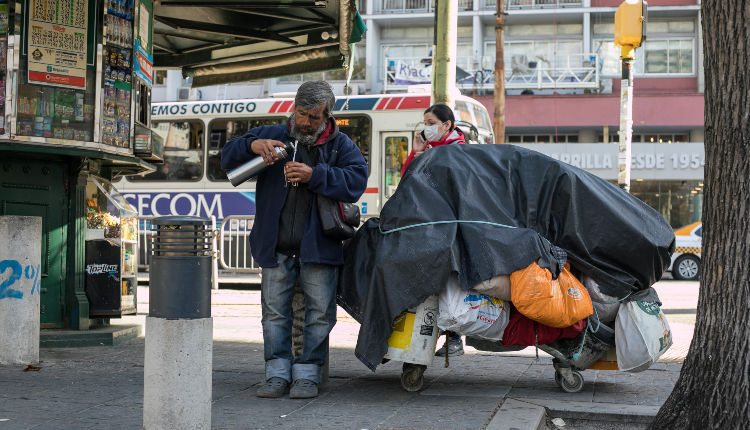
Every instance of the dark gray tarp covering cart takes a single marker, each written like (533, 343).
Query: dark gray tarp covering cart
(609, 235)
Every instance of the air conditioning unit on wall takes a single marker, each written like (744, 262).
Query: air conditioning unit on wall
(188, 94)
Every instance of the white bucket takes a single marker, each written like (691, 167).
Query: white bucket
(415, 334)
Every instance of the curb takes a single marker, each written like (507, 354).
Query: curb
(518, 415)
(622, 413)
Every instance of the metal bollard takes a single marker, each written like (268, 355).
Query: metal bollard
(179, 328)
(20, 272)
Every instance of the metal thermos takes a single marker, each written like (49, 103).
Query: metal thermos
(253, 167)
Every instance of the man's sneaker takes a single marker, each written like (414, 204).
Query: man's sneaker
(303, 389)
(455, 347)
(273, 388)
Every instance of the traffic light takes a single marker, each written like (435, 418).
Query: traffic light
(630, 26)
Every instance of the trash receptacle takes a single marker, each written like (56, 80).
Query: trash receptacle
(180, 267)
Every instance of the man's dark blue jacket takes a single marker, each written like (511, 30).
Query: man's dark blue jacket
(341, 174)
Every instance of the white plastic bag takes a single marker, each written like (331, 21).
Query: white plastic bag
(642, 335)
(472, 314)
(498, 287)
(606, 312)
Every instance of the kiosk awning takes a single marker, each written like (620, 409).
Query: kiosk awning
(226, 41)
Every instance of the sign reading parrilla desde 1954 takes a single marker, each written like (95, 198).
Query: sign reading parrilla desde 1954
(56, 45)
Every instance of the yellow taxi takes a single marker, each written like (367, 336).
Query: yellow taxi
(686, 261)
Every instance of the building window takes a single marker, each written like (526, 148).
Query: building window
(669, 49)
(679, 202)
(612, 138)
(666, 138)
(654, 27)
(541, 138)
(524, 56)
(674, 56)
(522, 30)
(160, 77)
(413, 55)
(609, 58)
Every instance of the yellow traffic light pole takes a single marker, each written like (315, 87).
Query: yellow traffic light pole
(630, 32)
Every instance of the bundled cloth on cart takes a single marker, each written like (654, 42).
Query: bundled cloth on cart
(481, 211)
(522, 330)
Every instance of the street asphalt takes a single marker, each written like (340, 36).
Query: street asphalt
(102, 387)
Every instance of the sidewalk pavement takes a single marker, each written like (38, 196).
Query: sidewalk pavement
(102, 387)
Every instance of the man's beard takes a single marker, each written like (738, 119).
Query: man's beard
(306, 136)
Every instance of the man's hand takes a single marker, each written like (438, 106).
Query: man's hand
(298, 172)
(265, 148)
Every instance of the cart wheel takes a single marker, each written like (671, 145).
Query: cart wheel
(558, 378)
(578, 386)
(412, 380)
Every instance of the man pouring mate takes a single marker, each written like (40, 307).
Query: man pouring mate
(287, 240)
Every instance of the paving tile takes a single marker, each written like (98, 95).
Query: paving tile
(102, 387)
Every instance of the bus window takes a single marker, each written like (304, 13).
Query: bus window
(481, 117)
(473, 114)
(396, 152)
(359, 131)
(463, 113)
(222, 131)
(183, 152)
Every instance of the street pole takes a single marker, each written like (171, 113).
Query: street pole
(626, 122)
(444, 57)
(630, 32)
(499, 74)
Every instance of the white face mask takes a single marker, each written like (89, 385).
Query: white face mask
(432, 134)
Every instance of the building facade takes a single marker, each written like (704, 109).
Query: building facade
(562, 83)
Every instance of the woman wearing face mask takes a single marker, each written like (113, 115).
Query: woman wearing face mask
(439, 129)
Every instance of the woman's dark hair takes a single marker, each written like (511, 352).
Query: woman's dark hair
(443, 113)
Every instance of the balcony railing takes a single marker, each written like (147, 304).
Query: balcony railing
(522, 4)
(570, 71)
(416, 6)
(526, 4)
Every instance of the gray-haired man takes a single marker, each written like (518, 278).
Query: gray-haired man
(286, 239)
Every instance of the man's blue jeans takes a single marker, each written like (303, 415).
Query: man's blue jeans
(318, 282)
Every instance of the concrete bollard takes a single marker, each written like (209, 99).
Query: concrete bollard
(20, 285)
(177, 374)
(179, 329)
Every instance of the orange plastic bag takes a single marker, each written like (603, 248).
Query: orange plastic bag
(559, 303)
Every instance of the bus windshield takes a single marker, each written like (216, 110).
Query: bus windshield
(358, 128)
(183, 152)
(222, 131)
(477, 115)
(474, 114)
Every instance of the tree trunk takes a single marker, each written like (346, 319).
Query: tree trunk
(713, 391)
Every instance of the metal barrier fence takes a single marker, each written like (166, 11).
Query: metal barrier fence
(518, 4)
(233, 242)
(232, 251)
(234, 246)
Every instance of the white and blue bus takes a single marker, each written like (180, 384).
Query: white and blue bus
(191, 181)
